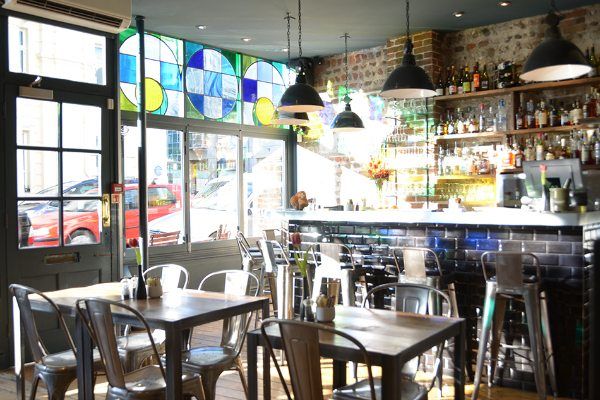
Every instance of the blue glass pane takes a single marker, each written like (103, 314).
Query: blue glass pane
(230, 89)
(226, 66)
(213, 107)
(212, 60)
(198, 101)
(197, 60)
(127, 67)
(170, 76)
(277, 93)
(265, 72)
(213, 85)
(191, 49)
(228, 105)
(194, 80)
(249, 90)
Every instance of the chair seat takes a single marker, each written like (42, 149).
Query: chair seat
(207, 357)
(139, 340)
(150, 379)
(63, 361)
(361, 390)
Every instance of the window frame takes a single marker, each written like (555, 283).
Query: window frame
(187, 125)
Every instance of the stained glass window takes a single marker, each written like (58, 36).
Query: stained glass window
(263, 85)
(212, 83)
(164, 79)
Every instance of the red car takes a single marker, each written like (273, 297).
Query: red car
(81, 218)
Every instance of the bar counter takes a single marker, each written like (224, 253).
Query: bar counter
(562, 242)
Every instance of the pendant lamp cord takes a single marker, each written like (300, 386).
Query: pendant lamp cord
(346, 36)
(288, 17)
(408, 20)
(300, 29)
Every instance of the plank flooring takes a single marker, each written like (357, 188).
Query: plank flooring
(230, 388)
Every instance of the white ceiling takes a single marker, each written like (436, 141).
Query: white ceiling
(369, 22)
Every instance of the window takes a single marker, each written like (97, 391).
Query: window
(48, 50)
(213, 186)
(58, 172)
(264, 184)
(165, 182)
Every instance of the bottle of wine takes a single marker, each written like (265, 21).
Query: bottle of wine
(439, 88)
(476, 84)
(519, 119)
(452, 88)
(140, 292)
(593, 61)
(467, 79)
(460, 89)
(545, 204)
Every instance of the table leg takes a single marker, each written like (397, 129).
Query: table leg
(390, 382)
(173, 343)
(252, 344)
(339, 373)
(18, 351)
(266, 359)
(85, 360)
(459, 363)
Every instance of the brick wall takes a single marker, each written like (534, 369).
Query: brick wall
(512, 40)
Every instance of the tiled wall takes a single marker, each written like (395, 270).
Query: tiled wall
(560, 251)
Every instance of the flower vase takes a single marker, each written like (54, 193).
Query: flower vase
(380, 200)
(140, 293)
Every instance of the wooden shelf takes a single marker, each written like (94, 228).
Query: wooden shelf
(476, 135)
(590, 122)
(550, 129)
(520, 170)
(530, 87)
(463, 177)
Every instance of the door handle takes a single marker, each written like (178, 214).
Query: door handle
(106, 210)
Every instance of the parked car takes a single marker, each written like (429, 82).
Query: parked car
(70, 188)
(81, 218)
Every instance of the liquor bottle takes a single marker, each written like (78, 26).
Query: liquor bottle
(467, 79)
(542, 115)
(592, 105)
(585, 151)
(452, 88)
(539, 149)
(593, 141)
(529, 151)
(460, 124)
(485, 80)
(439, 129)
(577, 113)
(519, 119)
(545, 206)
(460, 89)
(440, 161)
(565, 117)
(593, 61)
(597, 152)
(491, 121)
(584, 108)
(447, 83)
(451, 124)
(439, 88)
(482, 119)
(473, 124)
(476, 83)
(502, 124)
(553, 119)
(530, 116)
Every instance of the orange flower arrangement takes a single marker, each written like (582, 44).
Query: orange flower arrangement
(378, 172)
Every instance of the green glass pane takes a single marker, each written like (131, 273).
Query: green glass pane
(233, 59)
(281, 68)
(191, 111)
(234, 116)
(126, 34)
(247, 61)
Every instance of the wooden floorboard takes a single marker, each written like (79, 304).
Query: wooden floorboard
(230, 388)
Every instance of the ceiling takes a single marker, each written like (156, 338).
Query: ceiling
(369, 22)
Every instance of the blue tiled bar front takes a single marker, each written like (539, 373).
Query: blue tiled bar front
(556, 239)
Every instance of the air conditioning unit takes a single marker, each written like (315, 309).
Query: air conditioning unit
(104, 15)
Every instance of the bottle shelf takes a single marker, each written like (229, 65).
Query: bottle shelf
(530, 87)
(463, 177)
(593, 122)
(586, 167)
(502, 134)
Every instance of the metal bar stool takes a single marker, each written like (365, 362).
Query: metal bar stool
(415, 271)
(331, 266)
(510, 283)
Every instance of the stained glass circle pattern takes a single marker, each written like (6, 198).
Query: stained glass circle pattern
(263, 86)
(211, 84)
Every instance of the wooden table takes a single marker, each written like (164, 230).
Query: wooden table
(175, 313)
(391, 339)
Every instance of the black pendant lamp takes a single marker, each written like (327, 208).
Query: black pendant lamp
(300, 97)
(408, 81)
(347, 120)
(283, 117)
(555, 58)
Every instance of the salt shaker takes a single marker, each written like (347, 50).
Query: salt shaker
(124, 289)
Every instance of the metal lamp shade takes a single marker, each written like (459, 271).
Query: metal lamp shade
(408, 81)
(300, 97)
(285, 118)
(555, 59)
(347, 121)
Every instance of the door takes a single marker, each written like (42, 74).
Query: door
(58, 166)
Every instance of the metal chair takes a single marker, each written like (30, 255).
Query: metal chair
(277, 277)
(147, 382)
(331, 266)
(57, 370)
(211, 361)
(510, 282)
(415, 270)
(134, 348)
(301, 346)
(416, 299)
